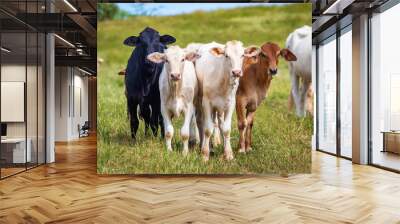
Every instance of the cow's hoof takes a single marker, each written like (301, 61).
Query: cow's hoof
(206, 155)
(216, 141)
(301, 114)
(248, 149)
(185, 152)
(241, 150)
(228, 156)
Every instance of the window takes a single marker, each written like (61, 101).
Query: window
(385, 89)
(327, 96)
(346, 95)
(22, 77)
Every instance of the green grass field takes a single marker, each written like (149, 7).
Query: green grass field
(281, 141)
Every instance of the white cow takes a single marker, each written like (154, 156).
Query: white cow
(299, 42)
(178, 89)
(218, 71)
(195, 47)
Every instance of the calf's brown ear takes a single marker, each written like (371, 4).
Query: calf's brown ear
(122, 72)
(252, 51)
(192, 56)
(288, 55)
(156, 57)
(217, 51)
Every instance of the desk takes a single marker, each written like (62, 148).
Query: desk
(391, 141)
(13, 150)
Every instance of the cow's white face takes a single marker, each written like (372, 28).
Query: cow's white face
(174, 58)
(234, 53)
(174, 62)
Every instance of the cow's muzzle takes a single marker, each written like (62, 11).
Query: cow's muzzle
(237, 73)
(175, 76)
(273, 71)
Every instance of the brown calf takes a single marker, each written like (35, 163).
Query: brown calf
(253, 87)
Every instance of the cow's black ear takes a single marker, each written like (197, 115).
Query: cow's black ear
(131, 41)
(167, 39)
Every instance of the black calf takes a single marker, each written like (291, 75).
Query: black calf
(141, 80)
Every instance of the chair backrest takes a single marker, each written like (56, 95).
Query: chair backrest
(86, 125)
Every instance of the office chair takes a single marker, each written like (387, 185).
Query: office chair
(84, 130)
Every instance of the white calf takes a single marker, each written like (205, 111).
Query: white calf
(299, 42)
(178, 89)
(218, 71)
(195, 47)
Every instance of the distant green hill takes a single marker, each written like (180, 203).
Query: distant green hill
(252, 25)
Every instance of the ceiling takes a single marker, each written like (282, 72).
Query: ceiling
(74, 22)
(330, 15)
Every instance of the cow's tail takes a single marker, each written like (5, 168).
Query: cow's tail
(130, 107)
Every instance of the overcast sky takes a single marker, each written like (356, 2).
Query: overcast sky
(179, 8)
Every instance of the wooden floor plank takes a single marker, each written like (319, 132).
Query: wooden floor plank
(70, 191)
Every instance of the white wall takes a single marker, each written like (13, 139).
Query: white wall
(13, 101)
(16, 72)
(33, 126)
(12, 73)
(80, 84)
(62, 82)
(70, 83)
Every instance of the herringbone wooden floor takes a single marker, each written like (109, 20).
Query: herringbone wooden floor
(70, 191)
